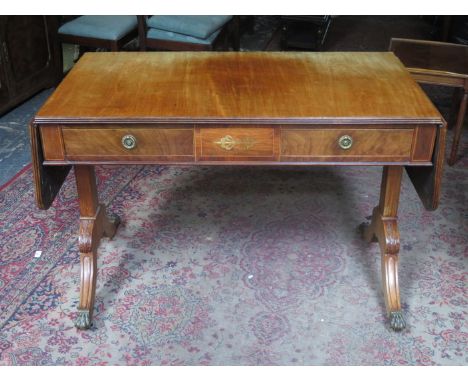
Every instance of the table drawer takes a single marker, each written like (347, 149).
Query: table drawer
(128, 143)
(351, 144)
(236, 143)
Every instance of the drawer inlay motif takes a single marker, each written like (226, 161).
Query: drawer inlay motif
(228, 143)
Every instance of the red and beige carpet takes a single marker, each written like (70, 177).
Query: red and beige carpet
(234, 266)
(216, 266)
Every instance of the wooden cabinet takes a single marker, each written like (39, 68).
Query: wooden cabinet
(30, 57)
(4, 92)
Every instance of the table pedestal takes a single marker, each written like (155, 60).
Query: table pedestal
(94, 224)
(384, 229)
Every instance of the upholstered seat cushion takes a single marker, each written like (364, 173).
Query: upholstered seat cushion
(159, 34)
(102, 27)
(201, 27)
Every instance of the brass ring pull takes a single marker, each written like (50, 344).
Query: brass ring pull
(129, 142)
(345, 142)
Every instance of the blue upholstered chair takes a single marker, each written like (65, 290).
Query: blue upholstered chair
(188, 32)
(108, 32)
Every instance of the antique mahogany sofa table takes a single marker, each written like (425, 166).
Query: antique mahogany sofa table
(237, 109)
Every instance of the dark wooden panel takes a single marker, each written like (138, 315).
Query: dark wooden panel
(4, 91)
(31, 57)
(28, 48)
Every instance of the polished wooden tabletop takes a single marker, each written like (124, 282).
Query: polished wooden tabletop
(253, 86)
(432, 55)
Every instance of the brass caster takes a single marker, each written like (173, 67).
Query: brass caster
(83, 321)
(397, 321)
(114, 219)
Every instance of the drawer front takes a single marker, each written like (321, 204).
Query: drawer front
(340, 145)
(128, 143)
(236, 143)
(239, 143)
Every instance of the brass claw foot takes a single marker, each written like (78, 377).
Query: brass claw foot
(397, 321)
(83, 321)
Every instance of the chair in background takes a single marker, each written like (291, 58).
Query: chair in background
(438, 63)
(188, 33)
(304, 32)
(106, 32)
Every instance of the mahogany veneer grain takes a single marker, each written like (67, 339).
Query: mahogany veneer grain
(239, 86)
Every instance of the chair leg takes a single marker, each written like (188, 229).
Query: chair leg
(235, 35)
(455, 106)
(458, 128)
(114, 46)
(78, 52)
(142, 30)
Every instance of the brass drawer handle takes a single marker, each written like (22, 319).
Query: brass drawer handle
(129, 142)
(345, 142)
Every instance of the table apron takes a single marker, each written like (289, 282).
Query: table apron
(239, 144)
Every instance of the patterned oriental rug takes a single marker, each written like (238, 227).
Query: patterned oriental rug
(234, 266)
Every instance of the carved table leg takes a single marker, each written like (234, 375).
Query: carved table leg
(94, 224)
(458, 128)
(384, 229)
